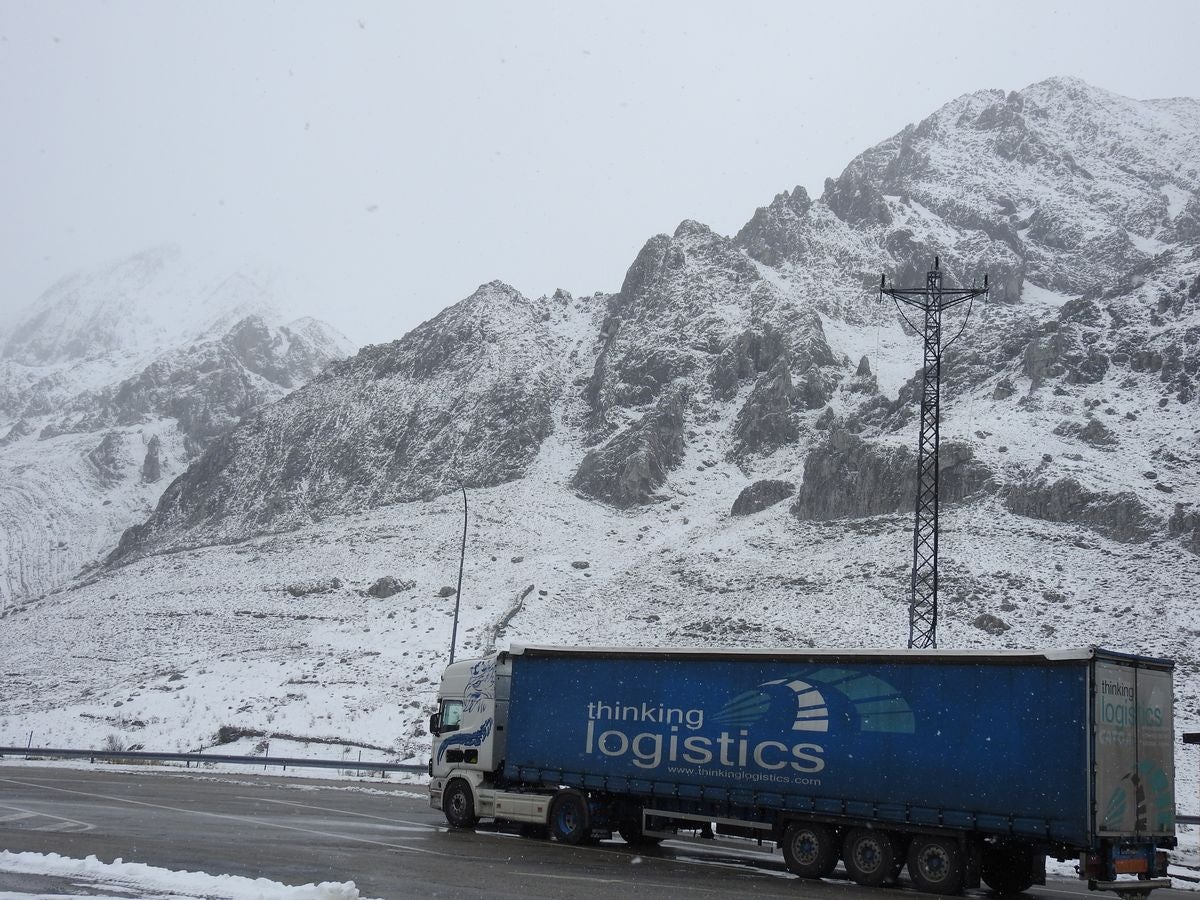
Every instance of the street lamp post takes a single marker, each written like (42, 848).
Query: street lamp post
(461, 560)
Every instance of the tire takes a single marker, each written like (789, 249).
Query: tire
(631, 833)
(458, 803)
(1008, 869)
(809, 850)
(869, 855)
(935, 864)
(570, 821)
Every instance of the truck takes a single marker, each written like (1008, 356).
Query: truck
(963, 766)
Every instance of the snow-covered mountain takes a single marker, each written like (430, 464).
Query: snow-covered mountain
(628, 457)
(115, 380)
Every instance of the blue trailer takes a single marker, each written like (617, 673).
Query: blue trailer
(961, 766)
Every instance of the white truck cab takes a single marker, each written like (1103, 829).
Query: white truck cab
(468, 731)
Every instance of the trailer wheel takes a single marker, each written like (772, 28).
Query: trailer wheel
(869, 855)
(569, 818)
(809, 850)
(1008, 868)
(459, 805)
(935, 864)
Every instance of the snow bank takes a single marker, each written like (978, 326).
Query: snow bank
(179, 884)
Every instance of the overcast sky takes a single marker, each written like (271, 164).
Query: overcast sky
(390, 157)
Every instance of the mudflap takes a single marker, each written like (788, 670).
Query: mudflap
(973, 857)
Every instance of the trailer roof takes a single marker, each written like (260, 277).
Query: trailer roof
(1053, 655)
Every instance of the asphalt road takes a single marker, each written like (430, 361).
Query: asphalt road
(384, 838)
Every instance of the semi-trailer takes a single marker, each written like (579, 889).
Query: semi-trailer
(960, 765)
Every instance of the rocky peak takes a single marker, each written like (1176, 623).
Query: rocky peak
(467, 395)
(742, 352)
(494, 313)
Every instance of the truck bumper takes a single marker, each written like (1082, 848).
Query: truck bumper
(1130, 890)
(1104, 866)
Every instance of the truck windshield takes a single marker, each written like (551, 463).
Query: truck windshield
(451, 718)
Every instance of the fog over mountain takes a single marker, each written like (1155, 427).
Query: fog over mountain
(113, 382)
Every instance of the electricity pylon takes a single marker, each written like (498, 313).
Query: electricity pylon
(931, 299)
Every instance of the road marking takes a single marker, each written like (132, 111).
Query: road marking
(344, 812)
(59, 826)
(249, 820)
(691, 889)
(61, 823)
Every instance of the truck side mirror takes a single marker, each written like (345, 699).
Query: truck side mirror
(433, 724)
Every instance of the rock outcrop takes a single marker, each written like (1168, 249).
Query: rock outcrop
(152, 464)
(848, 477)
(766, 420)
(628, 470)
(760, 495)
(1121, 516)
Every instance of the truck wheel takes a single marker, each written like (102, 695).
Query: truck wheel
(569, 819)
(935, 864)
(809, 850)
(869, 855)
(1007, 869)
(459, 805)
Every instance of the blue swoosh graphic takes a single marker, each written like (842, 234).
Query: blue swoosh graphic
(470, 739)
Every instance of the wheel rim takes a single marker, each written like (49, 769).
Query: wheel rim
(806, 848)
(934, 862)
(568, 820)
(868, 855)
(458, 804)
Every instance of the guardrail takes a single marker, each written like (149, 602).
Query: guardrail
(189, 758)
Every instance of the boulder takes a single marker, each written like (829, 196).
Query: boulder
(993, 625)
(320, 586)
(760, 495)
(388, 586)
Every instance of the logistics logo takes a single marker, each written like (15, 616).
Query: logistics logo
(877, 705)
(1153, 805)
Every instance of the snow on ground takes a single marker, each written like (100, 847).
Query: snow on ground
(1042, 298)
(146, 881)
(169, 650)
(894, 356)
(60, 515)
(1177, 199)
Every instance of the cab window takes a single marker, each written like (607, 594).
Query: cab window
(451, 715)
